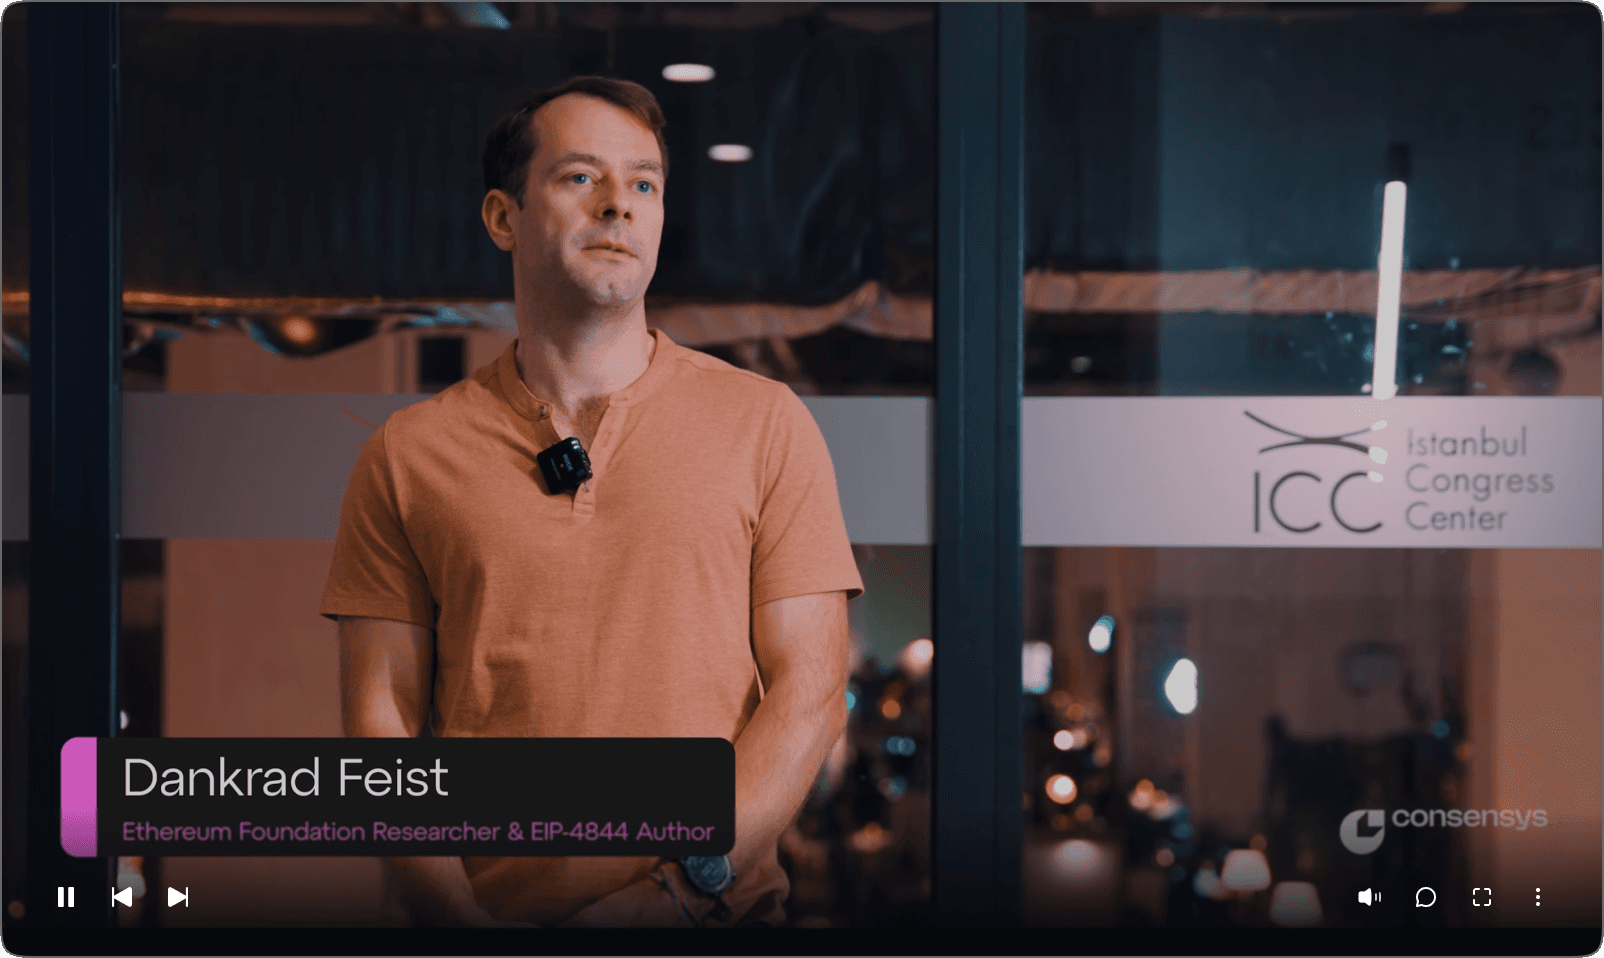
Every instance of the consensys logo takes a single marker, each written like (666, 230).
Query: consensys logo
(1363, 829)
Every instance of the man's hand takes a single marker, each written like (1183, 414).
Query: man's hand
(642, 904)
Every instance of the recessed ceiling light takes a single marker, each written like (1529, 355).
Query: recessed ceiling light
(688, 72)
(730, 152)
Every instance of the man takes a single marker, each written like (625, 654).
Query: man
(696, 585)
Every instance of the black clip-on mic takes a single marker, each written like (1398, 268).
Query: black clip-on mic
(564, 466)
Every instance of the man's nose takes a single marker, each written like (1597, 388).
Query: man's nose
(615, 204)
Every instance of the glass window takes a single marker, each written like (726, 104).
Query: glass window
(1310, 645)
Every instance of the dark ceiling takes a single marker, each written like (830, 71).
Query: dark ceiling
(314, 155)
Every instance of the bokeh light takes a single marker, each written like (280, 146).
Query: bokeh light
(1079, 858)
(1180, 687)
(1246, 869)
(298, 330)
(1207, 884)
(1036, 667)
(915, 658)
(1101, 635)
(1295, 903)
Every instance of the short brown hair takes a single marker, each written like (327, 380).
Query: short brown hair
(510, 144)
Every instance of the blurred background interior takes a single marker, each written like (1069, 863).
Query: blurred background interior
(301, 193)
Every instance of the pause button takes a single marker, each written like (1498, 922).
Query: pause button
(64, 897)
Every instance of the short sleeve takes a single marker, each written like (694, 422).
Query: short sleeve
(375, 571)
(800, 546)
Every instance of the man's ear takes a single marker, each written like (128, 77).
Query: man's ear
(498, 211)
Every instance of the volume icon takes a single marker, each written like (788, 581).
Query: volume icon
(1368, 897)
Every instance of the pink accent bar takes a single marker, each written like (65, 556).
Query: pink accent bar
(78, 797)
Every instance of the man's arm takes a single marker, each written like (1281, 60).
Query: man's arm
(802, 646)
(385, 692)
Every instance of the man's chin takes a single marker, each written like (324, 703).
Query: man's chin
(596, 286)
(610, 295)
(613, 287)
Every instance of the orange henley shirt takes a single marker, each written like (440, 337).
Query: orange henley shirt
(623, 609)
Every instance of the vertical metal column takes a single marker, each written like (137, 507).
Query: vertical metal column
(75, 439)
(979, 331)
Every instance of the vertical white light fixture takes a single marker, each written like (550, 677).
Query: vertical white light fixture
(1384, 373)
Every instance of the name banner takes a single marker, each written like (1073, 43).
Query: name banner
(666, 797)
(1406, 472)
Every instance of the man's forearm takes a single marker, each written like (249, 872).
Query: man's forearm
(777, 756)
(777, 759)
(383, 696)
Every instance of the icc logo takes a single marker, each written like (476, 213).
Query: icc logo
(1363, 830)
(1343, 441)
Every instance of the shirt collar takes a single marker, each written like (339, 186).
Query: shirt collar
(528, 405)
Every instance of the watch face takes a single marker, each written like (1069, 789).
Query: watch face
(710, 874)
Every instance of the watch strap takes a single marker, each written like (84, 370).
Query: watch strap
(668, 881)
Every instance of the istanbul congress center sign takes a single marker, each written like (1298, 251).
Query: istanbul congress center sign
(1405, 472)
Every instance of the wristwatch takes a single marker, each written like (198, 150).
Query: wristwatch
(712, 876)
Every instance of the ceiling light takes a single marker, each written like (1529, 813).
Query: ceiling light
(688, 72)
(730, 152)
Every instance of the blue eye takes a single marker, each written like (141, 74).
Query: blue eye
(577, 176)
(648, 186)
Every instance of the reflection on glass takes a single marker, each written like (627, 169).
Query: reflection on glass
(859, 852)
(290, 255)
(1321, 684)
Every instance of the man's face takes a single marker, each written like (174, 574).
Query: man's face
(592, 214)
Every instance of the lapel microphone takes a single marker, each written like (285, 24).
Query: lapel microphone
(564, 465)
